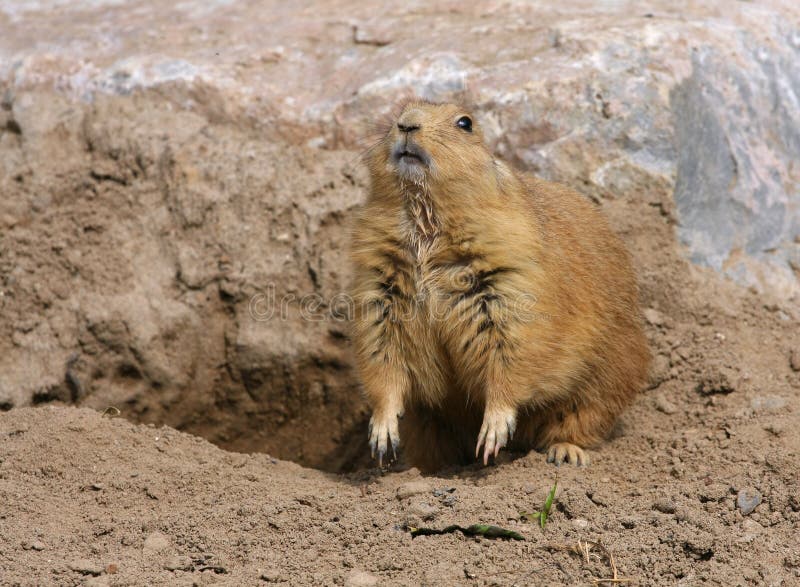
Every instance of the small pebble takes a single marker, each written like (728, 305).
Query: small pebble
(654, 317)
(156, 542)
(580, 523)
(412, 488)
(748, 499)
(358, 578)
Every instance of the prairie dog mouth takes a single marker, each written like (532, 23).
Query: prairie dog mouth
(407, 155)
(410, 160)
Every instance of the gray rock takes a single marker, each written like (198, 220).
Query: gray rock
(748, 499)
(736, 211)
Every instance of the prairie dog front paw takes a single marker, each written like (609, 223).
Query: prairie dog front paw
(497, 429)
(383, 431)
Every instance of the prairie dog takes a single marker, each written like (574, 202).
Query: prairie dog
(492, 308)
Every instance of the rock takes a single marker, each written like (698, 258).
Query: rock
(654, 317)
(85, 567)
(748, 499)
(35, 545)
(413, 488)
(357, 578)
(156, 542)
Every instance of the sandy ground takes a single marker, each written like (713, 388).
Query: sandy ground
(91, 499)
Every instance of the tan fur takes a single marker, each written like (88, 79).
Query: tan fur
(488, 303)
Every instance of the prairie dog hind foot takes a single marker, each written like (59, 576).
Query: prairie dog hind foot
(564, 452)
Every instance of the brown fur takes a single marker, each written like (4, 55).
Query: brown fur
(487, 302)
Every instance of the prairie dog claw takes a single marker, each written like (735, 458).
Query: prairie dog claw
(383, 431)
(497, 429)
(564, 452)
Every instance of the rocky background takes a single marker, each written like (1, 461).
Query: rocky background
(175, 186)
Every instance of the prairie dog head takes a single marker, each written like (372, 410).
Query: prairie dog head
(430, 144)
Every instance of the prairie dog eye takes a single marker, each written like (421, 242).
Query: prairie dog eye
(464, 123)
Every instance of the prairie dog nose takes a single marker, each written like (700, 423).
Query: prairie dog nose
(407, 127)
(410, 121)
